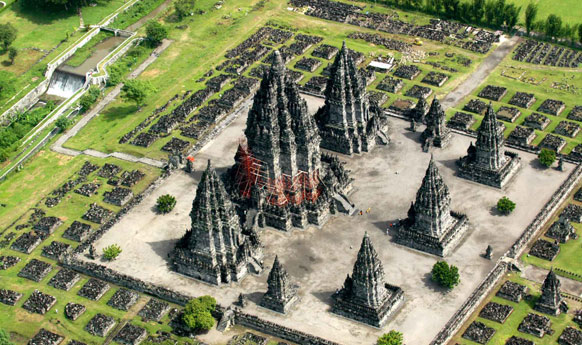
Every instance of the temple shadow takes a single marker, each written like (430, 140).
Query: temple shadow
(255, 297)
(162, 248)
(414, 136)
(450, 164)
(324, 296)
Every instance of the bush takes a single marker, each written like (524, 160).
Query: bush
(390, 338)
(136, 91)
(5, 338)
(166, 203)
(505, 206)
(184, 8)
(445, 275)
(156, 32)
(198, 313)
(547, 157)
(111, 252)
(89, 98)
(63, 123)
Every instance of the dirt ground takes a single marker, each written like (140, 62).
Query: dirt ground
(318, 260)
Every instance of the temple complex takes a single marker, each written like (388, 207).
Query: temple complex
(551, 301)
(215, 250)
(279, 171)
(347, 122)
(437, 133)
(365, 296)
(280, 295)
(431, 226)
(487, 162)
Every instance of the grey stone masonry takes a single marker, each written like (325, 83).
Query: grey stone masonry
(431, 226)
(365, 296)
(551, 301)
(214, 249)
(347, 123)
(280, 294)
(487, 162)
(436, 134)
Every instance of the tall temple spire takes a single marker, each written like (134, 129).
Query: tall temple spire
(551, 301)
(436, 133)
(431, 226)
(365, 295)
(347, 122)
(280, 294)
(488, 162)
(214, 250)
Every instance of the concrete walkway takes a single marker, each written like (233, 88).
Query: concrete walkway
(482, 72)
(58, 145)
(537, 274)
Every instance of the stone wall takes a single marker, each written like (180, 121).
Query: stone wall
(104, 76)
(25, 102)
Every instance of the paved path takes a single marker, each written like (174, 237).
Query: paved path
(58, 145)
(482, 72)
(538, 275)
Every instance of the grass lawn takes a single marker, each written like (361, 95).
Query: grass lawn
(173, 74)
(520, 311)
(569, 10)
(523, 77)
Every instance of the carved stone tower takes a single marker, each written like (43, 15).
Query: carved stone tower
(280, 294)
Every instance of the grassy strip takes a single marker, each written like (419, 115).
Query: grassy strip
(135, 13)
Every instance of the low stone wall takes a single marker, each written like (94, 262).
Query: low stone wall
(25, 102)
(102, 79)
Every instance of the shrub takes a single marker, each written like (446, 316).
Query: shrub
(63, 123)
(198, 313)
(111, 252)
(136, 91)
(547, 157)
(89, 98)
(5, 338)
(156, 32)
(166, 203)
(390, 338)
(505, 206)
(445, 275)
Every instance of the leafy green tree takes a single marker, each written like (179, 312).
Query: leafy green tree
(5, 338)
(165, 203)
(63, 123)
(553, 26)
(12, 53)
(531, 12)
(505, 206)
(490, 13)
(478, 10)
(452, 8)
(391, 338)
(156, 32)
(511, 15)
(580, 33)
(7, 35)
(136, 91)
(184, 8)
(198, 313)
(111, 252)
(499, 17)
(547, 157)
(445, 275)
(89, 98)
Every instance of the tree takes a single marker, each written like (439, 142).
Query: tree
(156, 32)
(7, 35)
(136, 91)
(478, 10)
(184, 8)
(63, 123)
(445, 275)
(165, 203)
(12, 53)
(5, 338)
(499, 17)
(580, 33)
(505, 206)
(391, 338)
(89, 98)
(547, 157)
(553, 26)
(531, 11)
(198, 313)
(111, 252)
(490, 12)
(511, 15)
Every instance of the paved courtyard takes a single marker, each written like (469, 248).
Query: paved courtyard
(319, 259)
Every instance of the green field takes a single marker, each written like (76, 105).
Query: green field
(520, 311)
(569, 10)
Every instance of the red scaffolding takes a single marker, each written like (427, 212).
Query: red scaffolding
(280, 191)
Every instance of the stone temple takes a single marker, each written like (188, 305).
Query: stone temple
(215, 249)
(487, 162)
(551, 301)
(347, 123)
(279, 174)
(431, 226)
(365, 297)
(280, 295)
(436, 134)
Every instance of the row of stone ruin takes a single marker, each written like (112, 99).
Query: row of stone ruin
(438, 30)
(547, 54)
